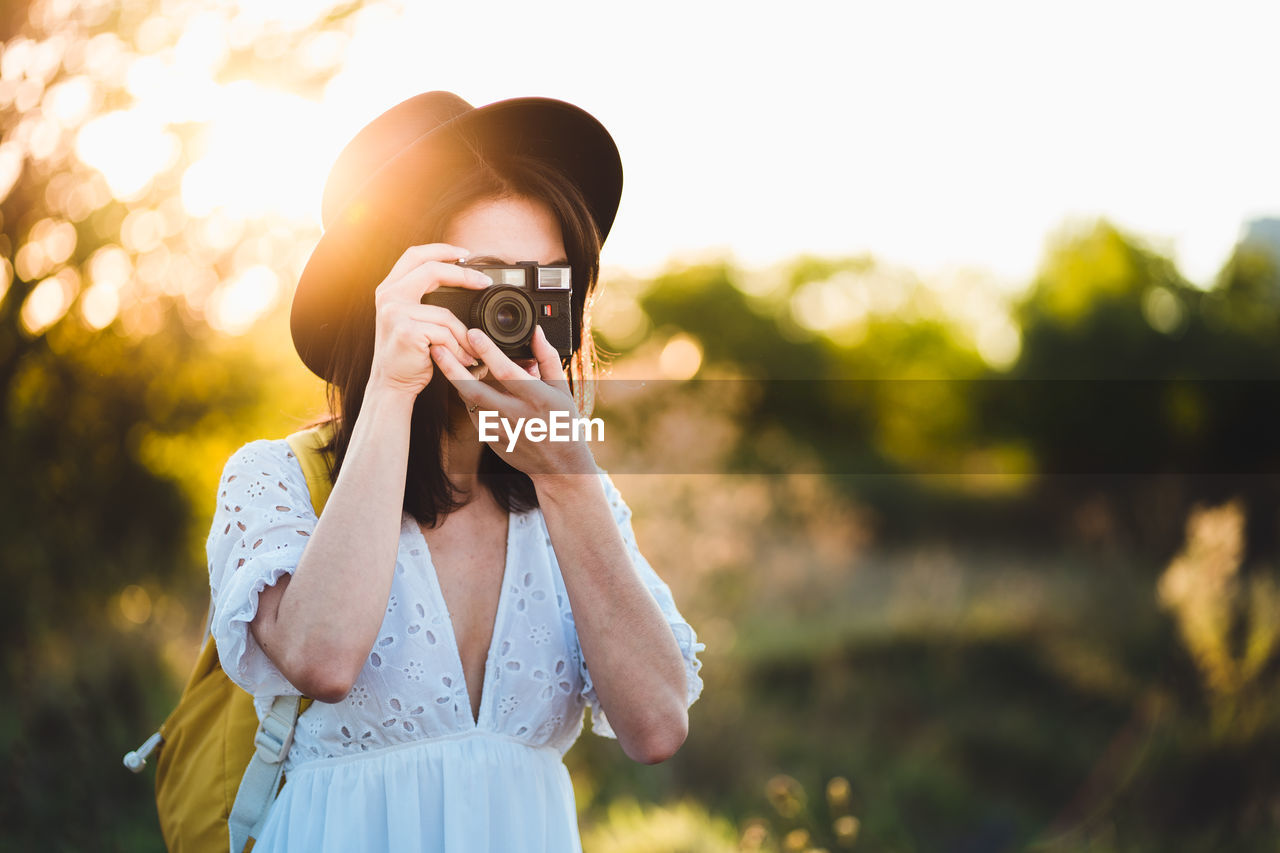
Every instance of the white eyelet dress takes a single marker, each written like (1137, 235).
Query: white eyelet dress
(400, 764)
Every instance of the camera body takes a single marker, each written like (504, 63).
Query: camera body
(523, 295)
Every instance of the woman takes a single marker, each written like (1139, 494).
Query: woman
(444, 608)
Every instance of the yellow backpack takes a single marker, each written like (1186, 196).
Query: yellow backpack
(220, 769)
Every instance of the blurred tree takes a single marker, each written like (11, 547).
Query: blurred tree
(1132, 394)
(1245, 300)
(1137, 391)
(119, 398)
(855, 363)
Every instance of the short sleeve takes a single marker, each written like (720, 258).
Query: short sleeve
(262, 522)
(685, 636)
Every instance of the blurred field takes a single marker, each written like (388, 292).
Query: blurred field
(975, 698)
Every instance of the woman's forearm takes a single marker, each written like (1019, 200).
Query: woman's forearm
(636, 665)
(318, 625)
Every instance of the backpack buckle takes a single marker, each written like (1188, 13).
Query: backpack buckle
(274, 737)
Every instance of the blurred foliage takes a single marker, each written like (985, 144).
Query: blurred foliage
(996, 656)
(684, 827)
(903, 404)
(1230, 625)
(1006, 621)
(118, 404)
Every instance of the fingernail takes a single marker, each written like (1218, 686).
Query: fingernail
(476, 336)
(479, 277)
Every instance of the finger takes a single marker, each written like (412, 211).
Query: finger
(549, 368)
(442, 316)
(428, 276)
(503, 369)
(432, 275)
(443, 336)
(439, 324)
(417, 255)
(474, 392)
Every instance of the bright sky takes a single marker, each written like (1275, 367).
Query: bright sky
(935, 135)
(929, 133)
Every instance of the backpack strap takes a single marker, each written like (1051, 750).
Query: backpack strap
(307, 446)
(261, 780)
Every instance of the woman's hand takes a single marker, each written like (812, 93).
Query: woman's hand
(406, 330)
(534, 393)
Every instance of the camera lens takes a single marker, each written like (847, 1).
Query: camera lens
(506, 318)
(506, 314)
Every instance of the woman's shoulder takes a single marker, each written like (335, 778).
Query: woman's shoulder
(267, 459)
(274, 451)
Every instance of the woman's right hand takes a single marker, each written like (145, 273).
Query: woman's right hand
(405, 329)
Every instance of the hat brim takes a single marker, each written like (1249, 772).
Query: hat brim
(555, 131)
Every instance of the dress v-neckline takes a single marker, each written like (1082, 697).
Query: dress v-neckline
(438, 592)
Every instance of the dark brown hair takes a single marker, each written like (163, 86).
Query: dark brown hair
(429, 494)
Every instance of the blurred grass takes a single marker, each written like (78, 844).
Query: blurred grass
(975, 699)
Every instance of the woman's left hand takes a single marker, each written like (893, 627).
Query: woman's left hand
(525, 396)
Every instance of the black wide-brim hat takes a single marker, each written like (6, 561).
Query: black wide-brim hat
(408, 154)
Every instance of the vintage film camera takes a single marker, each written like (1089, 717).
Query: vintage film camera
(523, 295)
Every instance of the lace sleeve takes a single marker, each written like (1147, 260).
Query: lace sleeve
(262, 523)
(685, 636)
